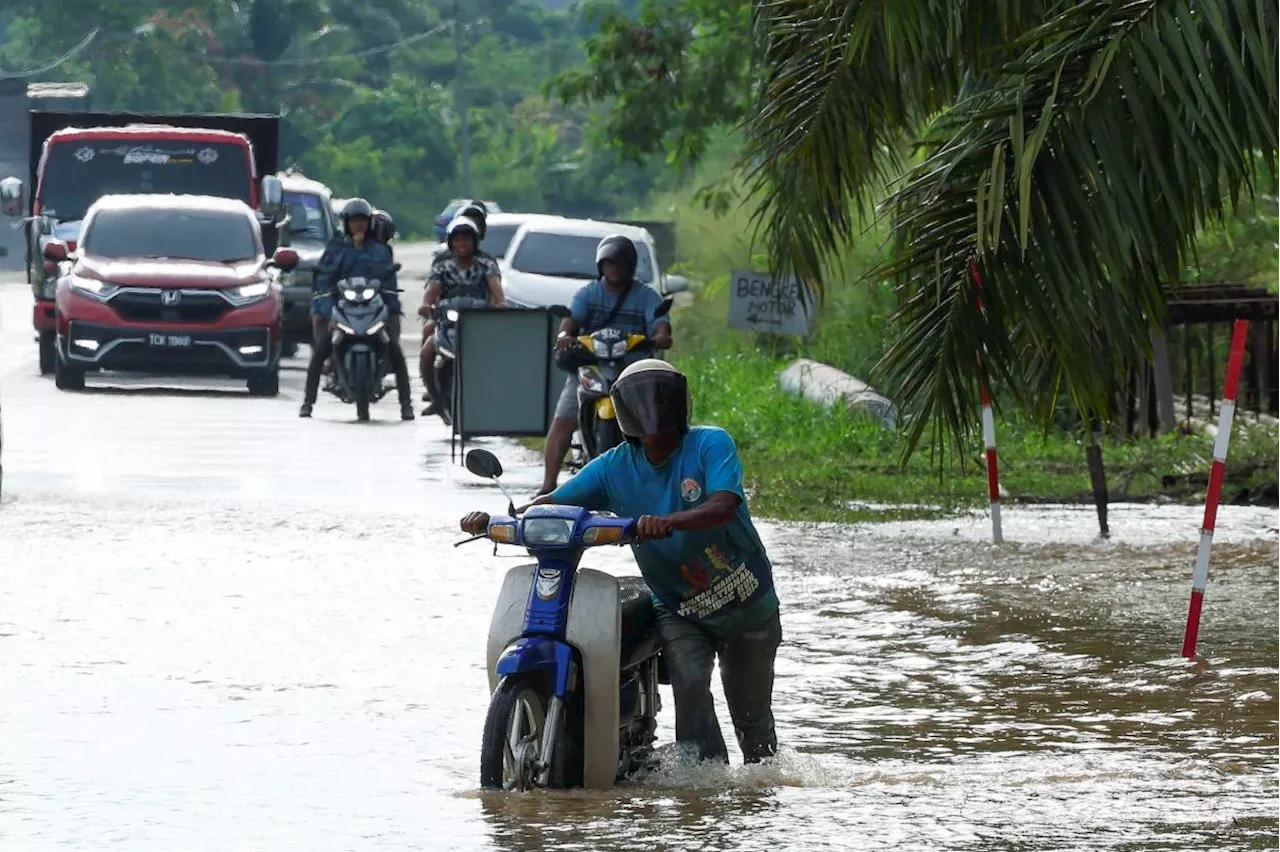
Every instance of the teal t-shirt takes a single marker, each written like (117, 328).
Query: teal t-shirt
(720, 577)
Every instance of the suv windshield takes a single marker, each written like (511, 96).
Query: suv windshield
(568, 256)
(77, 172)
(309, 217)
(214, 236)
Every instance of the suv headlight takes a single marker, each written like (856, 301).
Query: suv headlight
(93, 288)
(247, 293)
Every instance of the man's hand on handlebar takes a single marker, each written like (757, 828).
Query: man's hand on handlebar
(477, 523)
(653, 526)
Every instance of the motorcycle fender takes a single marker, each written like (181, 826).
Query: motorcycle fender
(604, 408)
(595, 629)
(507, 623)
(359, 347)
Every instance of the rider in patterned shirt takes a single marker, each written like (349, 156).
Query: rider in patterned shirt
(463, 271)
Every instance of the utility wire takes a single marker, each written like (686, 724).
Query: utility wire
(70, 54)
(223, 60)
(317, 60)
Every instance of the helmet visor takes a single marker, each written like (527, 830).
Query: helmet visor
(651, 403)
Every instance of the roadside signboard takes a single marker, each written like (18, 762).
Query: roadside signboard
(759, 303)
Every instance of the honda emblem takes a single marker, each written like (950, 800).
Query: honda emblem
(169, 298)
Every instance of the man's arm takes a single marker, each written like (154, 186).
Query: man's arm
(659, 327)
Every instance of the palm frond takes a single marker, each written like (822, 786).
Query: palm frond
(1076, 171)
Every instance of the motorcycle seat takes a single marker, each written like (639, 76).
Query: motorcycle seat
(639, 624)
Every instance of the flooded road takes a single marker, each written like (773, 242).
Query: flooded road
(225, 628)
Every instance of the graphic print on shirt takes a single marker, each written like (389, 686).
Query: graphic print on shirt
(690, 490)
(739, 584)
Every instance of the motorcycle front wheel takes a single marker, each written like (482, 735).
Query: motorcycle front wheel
(362, 382)
(514, 732)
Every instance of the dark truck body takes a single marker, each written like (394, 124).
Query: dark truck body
(263, 132)
(257, 136)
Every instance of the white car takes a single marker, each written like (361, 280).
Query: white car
(550, 258)
(499, 230)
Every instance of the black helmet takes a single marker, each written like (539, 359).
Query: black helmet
(478, 213)
(383, 227)
(620, 250)
(354, 208)
(461, 224)
(651, 397)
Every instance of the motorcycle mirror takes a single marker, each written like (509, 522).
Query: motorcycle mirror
(664, 308)
(396, 267)
(559, 311)
(483, 463)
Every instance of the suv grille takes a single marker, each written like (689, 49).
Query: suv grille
(145, 306)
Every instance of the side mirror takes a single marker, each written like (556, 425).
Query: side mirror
(484, 463)
(664, 308)
(12, 197)
(676, 284)
(285, 258)
(395, 267)
(55, 251)
(560, 311)
(272, 197)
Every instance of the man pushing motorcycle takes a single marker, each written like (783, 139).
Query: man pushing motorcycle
(698, 551)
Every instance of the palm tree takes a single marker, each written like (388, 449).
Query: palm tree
(1068, 151)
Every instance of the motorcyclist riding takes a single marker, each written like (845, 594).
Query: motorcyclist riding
(463, 271)
(615, 300)
(698, 551)
(356, 256)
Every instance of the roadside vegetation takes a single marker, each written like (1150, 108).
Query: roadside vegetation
(806, 462)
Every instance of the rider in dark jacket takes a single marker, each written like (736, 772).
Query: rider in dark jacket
(355, 256)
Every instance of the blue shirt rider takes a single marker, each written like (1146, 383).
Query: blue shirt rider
(699, 552)
(355, 255)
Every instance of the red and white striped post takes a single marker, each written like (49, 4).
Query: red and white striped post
(1226, 414)
(989, 432)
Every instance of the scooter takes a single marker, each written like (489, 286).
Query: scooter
(360, 342)
(446, 319)
(599, 359)
(573, 654)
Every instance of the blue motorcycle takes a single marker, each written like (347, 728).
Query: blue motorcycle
(361, 344)
(573, 654)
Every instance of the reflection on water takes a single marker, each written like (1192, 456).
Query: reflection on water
(176, 677)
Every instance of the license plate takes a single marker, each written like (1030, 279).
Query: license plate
(176, 341)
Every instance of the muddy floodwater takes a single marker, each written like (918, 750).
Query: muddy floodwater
(224, 628)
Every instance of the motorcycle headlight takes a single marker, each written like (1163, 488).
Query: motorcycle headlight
(548, 531)
(350, 295)
(601, 348)
(369, 293)
(249, 292)
(619, 349)
(375, 328)
(343, 327)
(451, 315)
(93, 288)
(591, 380)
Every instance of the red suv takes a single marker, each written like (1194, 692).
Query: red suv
(171, 284)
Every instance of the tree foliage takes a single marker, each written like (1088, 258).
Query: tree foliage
(380, 123)
(1070, 152)
(666, 79)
